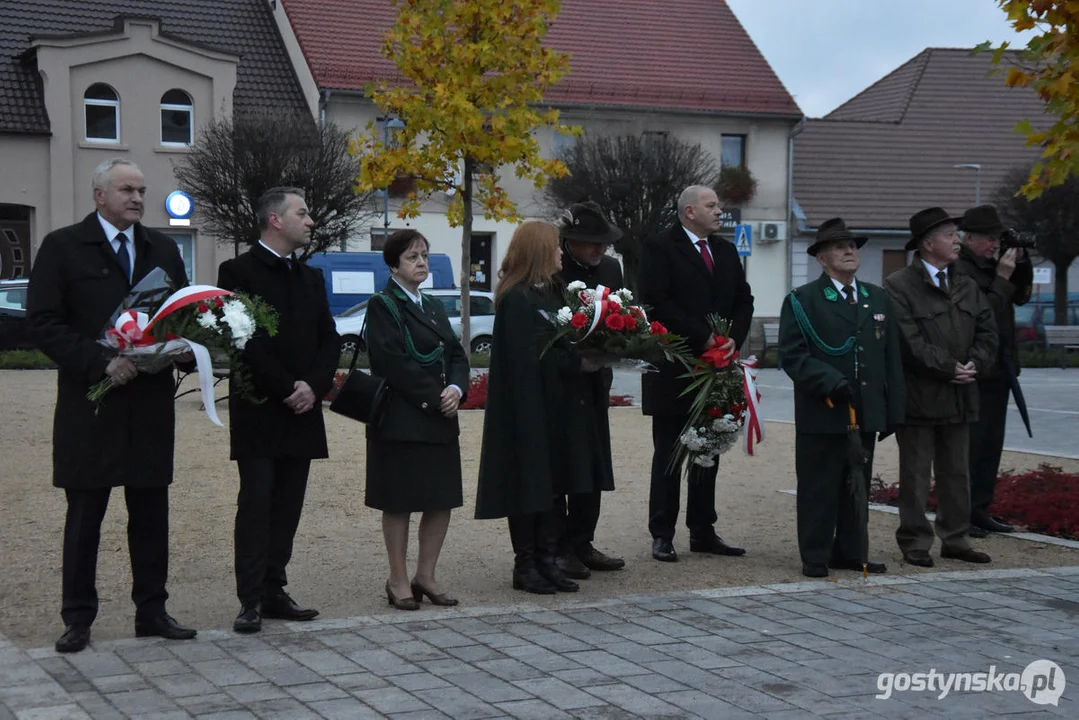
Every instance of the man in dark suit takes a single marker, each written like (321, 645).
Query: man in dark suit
(585, 236)
(686, 275)
(273, 442)
(838, 342)
(81, 275)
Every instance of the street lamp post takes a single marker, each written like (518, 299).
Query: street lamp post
(388, 125)
(977, 179)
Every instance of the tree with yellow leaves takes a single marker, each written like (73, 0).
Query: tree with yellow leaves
(1049, 65)
(472, 72)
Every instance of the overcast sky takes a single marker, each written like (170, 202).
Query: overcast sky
(827, 51)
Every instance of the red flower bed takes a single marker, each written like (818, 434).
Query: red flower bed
(621, 401)
(1044, 501)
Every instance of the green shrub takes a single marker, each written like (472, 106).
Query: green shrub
(24, 360)
(1055, 358)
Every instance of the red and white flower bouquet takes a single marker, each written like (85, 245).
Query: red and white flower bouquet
(604, 325)
(726, 402)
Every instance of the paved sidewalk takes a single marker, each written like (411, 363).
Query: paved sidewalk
(783, 651)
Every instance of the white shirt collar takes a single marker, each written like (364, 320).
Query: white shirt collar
(839, 286)
(111, 231)
(933, 272)
(692, 237)
(417, 298)
(274, 252)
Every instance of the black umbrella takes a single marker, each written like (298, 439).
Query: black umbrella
(857, 457)
(1017, 392)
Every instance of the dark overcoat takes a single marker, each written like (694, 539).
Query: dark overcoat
(938, 329)
(595, 387)
(306, 347)
(538, 437)
(412, 412)
(75, 287)
(877, 383)
(675, 283)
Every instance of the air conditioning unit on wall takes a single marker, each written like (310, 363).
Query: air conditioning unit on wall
(771, 232)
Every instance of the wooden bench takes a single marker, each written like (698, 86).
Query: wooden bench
(771, 340)
(1065, 337)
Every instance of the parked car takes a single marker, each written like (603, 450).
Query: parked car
(482, 320)
(352, 277)
(1031, 319)
(13, 315)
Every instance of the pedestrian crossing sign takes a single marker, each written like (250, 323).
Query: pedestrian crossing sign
(743, 240)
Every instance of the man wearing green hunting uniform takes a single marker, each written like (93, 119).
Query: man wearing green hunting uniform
(839, 344)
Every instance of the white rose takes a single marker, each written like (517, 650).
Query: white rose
(625, 295)
(576, 286)
(565, 315)
(208, 321)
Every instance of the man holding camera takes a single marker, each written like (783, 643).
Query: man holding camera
(1005, 279)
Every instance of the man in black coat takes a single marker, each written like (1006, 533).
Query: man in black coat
(1006, 279)
(585, 236)
(81, 275)
(274, 441)
(686, 275)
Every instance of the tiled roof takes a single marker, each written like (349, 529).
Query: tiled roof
(622, 53)
(245, 28)
(890, 151)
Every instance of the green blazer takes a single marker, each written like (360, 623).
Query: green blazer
(877, 385)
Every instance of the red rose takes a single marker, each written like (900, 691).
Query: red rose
(628, 322)
(715, 412)
(717, 358)
(219, 302)
(615, 322)
(636, 311)
(657, 329)
(579, 320)
(203, 307)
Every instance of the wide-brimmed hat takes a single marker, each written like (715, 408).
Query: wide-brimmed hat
(983, 220)
(833, 230)
(923, 221)
(585, 222)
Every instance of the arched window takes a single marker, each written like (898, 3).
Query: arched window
(177, 115)
(101, 109)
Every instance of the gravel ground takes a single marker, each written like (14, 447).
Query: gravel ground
(339, 561)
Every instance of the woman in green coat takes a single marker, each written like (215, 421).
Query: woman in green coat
(413, 454)
(535, 428)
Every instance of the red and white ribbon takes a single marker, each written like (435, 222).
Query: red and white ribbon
(754, 431)
(188, 296)
(129, 330)
(602, 307)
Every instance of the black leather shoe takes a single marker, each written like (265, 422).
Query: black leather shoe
(876, 568)
(714, 545)
(280, 606)
(531, 581)
(593, 559)
(977, 532)
(921, 558)
(572, 567)
(969, 555)
(990, 524)
(663, 550)
(163, 625)
(814, 570)
(74, 639)
(549, 570)
(249, 620)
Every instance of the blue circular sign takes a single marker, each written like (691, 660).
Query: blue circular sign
(179, 205)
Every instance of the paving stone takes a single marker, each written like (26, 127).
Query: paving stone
(157, 668)
(345, 709)
(532, 710)
(509, 669)
(487, 687)
(382, 662)
(583, 678)
(282, 709)
(99, 664)
(605, 663)
(256, 692)
(418, 681)
(541, 658)
(227, 672)
(229, 715)
(142, 702)
(498, 640)
(326, 662)
(69, 711)
(23, 697)
(218, 702)
(96, 706)
(635, 701)
(695, 655)
(120, 683)
(560, 694)
(638, 634)
(394, 700)
(475, 653)
(706, 706)
(459, 704)
(197, 652)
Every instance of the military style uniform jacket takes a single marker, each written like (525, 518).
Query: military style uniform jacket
(872, 363)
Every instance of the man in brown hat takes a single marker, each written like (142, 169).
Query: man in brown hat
(948, 338)
(839, 344)
(1006, 280)
(585, 236)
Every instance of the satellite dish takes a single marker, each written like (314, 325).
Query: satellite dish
(457, 178)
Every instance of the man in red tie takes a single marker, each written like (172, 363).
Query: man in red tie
(685, 276)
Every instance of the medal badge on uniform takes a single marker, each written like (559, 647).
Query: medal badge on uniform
(878, 325)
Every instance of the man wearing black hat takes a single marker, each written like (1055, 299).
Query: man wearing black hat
(948, 338)
(1006, 282)
(839, 343)
(585, 237)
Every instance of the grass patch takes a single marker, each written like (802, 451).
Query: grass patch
(1040, 357)
(25, 360)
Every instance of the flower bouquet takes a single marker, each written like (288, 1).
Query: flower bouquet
(726, 402)
(604, 326)
(153, 328)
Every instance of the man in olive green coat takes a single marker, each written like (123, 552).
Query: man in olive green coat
(839, 343)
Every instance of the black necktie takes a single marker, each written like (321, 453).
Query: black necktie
(849, 292)
(123, 257)
(943, 278)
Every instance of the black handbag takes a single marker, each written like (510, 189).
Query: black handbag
(363, 396)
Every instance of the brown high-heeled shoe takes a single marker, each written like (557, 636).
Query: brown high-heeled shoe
(418, 591)
(409, 603)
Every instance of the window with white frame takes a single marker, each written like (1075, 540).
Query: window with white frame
(177, 118)
(101, 114)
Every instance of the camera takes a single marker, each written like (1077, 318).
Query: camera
(1012, 238)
